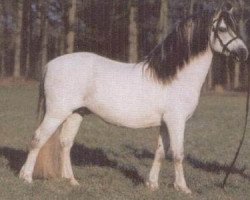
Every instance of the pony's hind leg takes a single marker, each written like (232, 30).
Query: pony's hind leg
(69, 130)
(162, 148)
(176, 126)
(48, 126)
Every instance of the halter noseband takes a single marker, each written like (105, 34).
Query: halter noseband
(225, 46)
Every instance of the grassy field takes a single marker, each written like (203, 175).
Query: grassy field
(111, 162)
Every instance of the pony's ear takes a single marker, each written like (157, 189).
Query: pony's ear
(228, 7)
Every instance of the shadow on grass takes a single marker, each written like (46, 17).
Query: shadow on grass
(15, 157)
(216, 167)
(213, 167)
(82, 155)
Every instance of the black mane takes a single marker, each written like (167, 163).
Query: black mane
(189, 39)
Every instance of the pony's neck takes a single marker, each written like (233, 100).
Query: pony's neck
(193, 75)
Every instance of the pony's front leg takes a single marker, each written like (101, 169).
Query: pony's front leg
(48, 126)
(155, 169)
(162, 148)
(176, 127)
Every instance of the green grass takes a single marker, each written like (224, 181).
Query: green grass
(111, 162)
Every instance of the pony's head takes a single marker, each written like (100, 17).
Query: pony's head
(224, 37)
(194, 36)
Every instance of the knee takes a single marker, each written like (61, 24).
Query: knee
(160, 153)
(34, 143)
(178, 158)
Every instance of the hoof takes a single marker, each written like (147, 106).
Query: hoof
(25, 176)
(153, 186)
(184, 189)
(74, 182)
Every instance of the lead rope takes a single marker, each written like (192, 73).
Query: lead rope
(229, 171)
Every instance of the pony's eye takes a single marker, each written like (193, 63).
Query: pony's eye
(222, 29)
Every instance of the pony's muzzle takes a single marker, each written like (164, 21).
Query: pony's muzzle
(240, 54)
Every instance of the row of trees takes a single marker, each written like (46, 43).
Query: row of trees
(32, 32)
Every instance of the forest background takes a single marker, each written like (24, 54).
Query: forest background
(32, 32)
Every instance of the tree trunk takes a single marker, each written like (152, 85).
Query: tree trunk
(57, 46)
(43, 28)
(18, 41)
(64, 30)
(109, 48)
(62, 44)
(163, 21)
(133, 32)
(2, 69)
(5, 42)
(27, 69)
(29, 39)
(210, 79)
(191, 8)
(71, 32)
(228, 74)
(237, 75)
(2, 63)
(243, 33)
(45, 43)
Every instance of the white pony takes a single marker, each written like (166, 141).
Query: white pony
(165, 88)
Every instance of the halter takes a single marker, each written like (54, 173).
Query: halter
(216, 35)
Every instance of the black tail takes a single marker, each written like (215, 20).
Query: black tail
(41, 107)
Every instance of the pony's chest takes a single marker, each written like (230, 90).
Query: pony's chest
(182, 100)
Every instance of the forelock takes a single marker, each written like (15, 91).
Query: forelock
(229, 20)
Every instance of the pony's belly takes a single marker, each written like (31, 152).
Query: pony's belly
(128, 119)
(136, 122)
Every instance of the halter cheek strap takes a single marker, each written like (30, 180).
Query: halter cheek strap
(225, 46)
